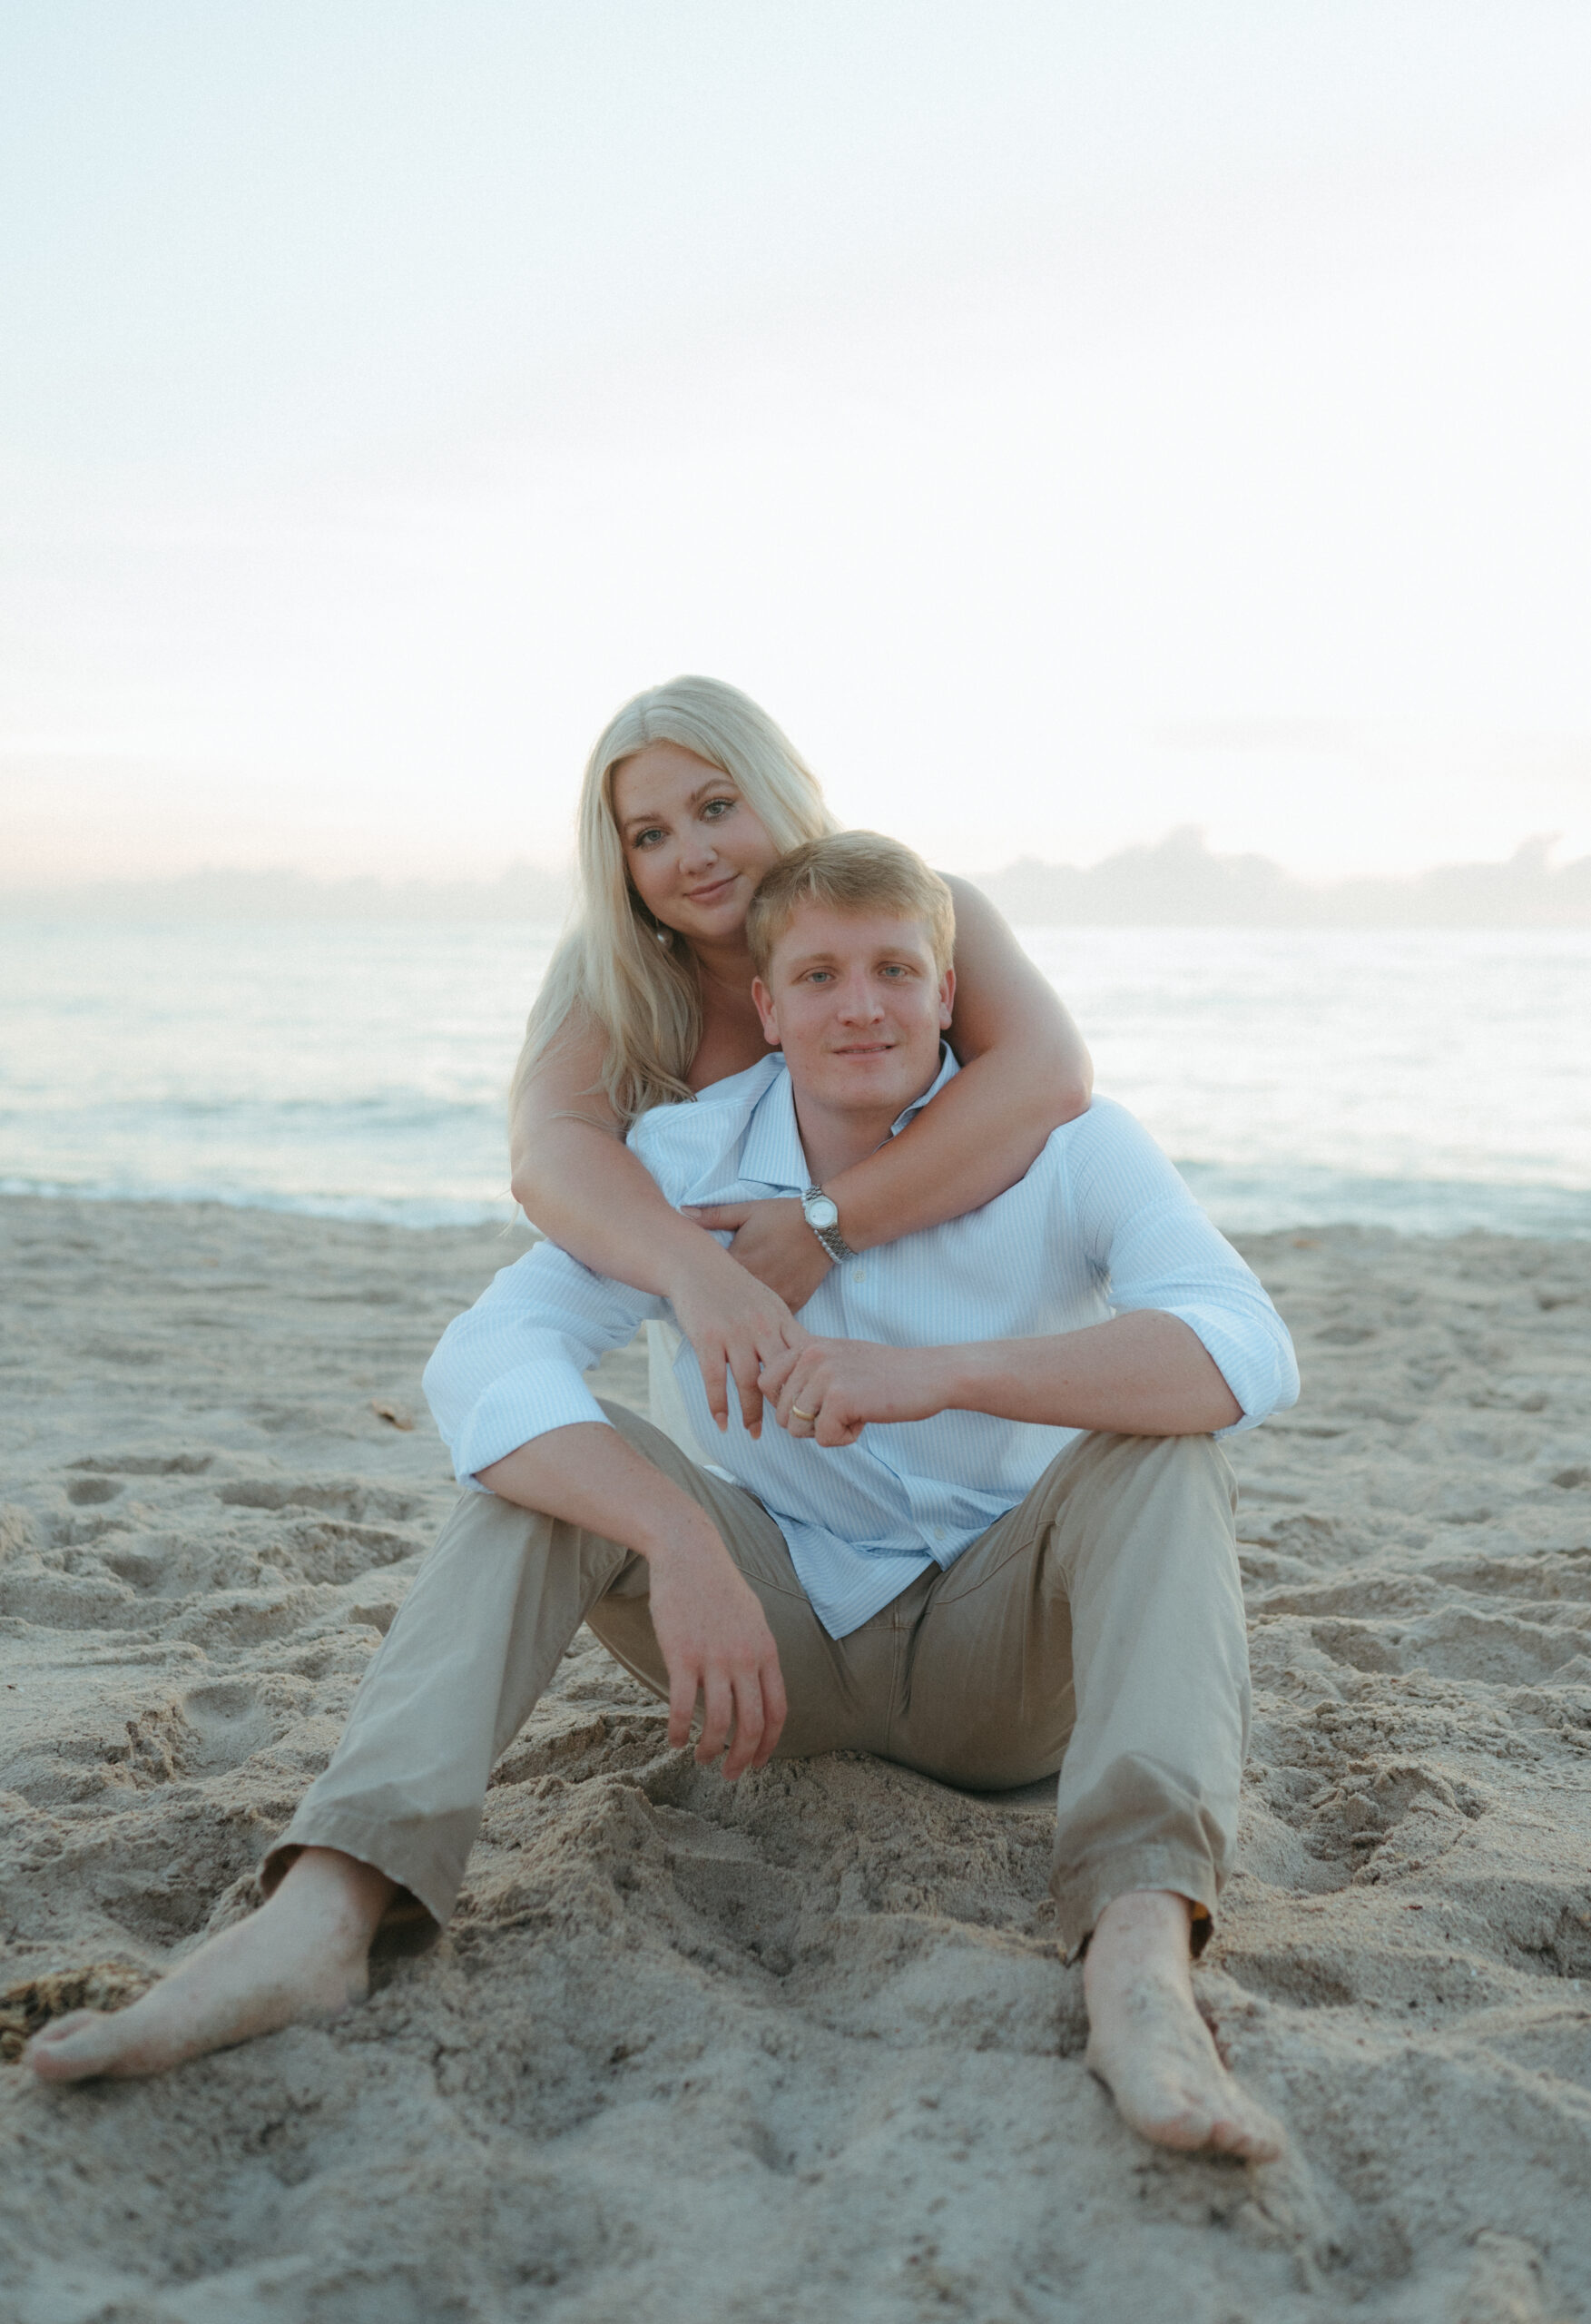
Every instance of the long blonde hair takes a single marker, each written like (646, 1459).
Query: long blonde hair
(609, 966)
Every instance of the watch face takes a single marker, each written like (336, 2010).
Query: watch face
(823, 1211)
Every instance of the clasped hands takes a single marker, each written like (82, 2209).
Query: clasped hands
(747, 1341)
(829, 1390)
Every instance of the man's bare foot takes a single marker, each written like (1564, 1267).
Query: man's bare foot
(302, 1955)
(1147, 2042)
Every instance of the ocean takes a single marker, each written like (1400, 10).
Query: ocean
(1431, 1080)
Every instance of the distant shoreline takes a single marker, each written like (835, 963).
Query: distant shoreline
(1425, 1211)
(1177, 882)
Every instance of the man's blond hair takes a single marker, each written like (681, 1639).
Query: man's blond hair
(850, 872)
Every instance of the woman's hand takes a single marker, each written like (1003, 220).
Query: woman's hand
(736, 1325)
(774, 1241)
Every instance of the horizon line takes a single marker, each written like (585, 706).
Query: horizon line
(1176, 881)
(1184, 844)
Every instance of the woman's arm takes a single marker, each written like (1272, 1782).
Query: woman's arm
(1024, 1072)
(574, 1176)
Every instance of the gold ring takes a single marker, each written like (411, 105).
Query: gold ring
(796, 1413)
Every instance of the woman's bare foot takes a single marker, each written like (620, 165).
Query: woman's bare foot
(1147, 2042)
(302, 1955)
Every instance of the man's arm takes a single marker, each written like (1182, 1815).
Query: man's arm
(1156, 1253)
(1194, 1345)
(1142, 1374)
(714, 1637)
(513, 1366)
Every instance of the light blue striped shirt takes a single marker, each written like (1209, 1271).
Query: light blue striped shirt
(1101, 1224)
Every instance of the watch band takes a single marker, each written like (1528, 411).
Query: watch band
(822, 1216)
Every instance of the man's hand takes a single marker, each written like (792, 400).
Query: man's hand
(715, 1640)
(830, 1389)
(771, 1241)
(736, 1327)
(717, 1644)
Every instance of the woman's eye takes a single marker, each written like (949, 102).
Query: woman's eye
(645, 839)
(718, 808)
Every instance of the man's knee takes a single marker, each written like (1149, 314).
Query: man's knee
(1199, 1463)
(661, 1450)
(480, 1521)
(651, 1442)
(1139, 1468)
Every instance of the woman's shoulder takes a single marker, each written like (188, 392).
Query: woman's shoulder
(718, 1113)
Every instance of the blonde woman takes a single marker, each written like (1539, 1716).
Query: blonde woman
(690, 794)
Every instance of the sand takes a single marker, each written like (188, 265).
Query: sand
(802, 2050)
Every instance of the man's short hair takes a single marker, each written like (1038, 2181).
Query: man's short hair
(850, 872)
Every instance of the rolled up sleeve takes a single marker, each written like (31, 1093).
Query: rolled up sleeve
(1157, 1250)
(512, 1367)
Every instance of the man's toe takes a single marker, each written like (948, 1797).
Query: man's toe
(67, 2047)
(1250, 2132)
(1194, 2119)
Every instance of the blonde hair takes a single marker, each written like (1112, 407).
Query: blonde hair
(610, 966)
(850, 872)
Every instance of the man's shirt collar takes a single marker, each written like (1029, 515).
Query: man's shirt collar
(948, 1068)
(772, 1154)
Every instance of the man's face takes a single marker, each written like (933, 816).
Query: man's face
(859, 1005)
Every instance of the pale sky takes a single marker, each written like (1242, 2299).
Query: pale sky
(1070, 420)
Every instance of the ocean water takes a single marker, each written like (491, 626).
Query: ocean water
(1431, 1080)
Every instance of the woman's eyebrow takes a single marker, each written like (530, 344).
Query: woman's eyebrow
(655, 815)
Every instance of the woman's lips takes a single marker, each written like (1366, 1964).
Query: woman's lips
(710, 895)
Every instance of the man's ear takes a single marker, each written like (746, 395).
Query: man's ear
(767, 1012)
(947, 999)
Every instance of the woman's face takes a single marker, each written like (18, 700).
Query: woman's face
(694, 847)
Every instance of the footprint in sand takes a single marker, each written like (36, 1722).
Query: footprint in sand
(144, 1464)
(330, 1497)
(228, 1721)
(88, 1492)
(1375, 1817)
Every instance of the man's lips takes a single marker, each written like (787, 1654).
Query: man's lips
(863, 1048)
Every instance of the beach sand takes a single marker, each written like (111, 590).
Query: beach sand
(802, 2050)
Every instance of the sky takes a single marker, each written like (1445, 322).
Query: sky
(1071, 422)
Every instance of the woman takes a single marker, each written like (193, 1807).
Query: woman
(690, 795)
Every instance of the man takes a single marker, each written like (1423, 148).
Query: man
(990, 1535)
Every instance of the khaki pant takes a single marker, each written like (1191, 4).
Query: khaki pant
(1097, 1629)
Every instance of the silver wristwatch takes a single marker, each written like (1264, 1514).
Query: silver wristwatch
(821, 1213)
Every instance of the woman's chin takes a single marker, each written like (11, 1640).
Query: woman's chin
(723, 923)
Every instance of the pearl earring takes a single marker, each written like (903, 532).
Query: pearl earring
(665, 937)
